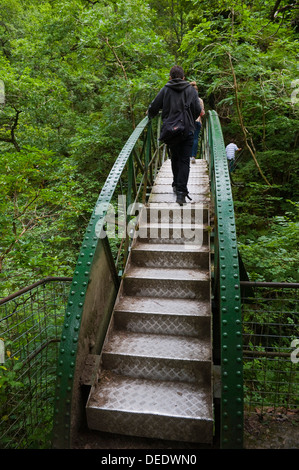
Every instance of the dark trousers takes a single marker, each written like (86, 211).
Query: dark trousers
(180, 163)
(196, 137)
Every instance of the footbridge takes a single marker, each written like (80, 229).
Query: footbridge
(151, 344)
(158, 340)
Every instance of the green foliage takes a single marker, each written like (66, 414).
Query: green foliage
(274, 256)
(79, 76)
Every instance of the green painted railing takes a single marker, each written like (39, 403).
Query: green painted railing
(227, 316)
(95, 282)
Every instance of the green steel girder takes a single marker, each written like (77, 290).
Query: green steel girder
(91, 247)
(227, 290)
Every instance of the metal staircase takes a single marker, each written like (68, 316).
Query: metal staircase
(155, 377)
(150, 331)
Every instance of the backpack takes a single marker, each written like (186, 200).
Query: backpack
(176, 129)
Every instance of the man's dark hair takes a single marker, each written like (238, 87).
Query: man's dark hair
(177, 72)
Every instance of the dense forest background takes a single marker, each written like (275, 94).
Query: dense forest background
(79, 75)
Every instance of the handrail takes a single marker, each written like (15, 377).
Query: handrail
(95, 283)
(226, 287)
(45, 280)
(279, 285)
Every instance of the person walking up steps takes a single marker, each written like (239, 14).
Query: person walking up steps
(198, 125)
(180, 107)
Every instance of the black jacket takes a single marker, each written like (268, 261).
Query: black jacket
(172, 99)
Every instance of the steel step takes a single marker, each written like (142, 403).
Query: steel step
(158, 357)
(169, 213)
(163, 316)
(170, 255)
(203, 188)
(149, 408)
(163, 282)
(187, 233)
(170, 197)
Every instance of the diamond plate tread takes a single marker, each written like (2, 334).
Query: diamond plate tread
(165, 398)
(171, 197)
(200, 175)
(171, 206)
(195, 184)
(184, 233)
(153, 368)
(158, 357)
(184, 307)
(193, 169)
(170, 256)
(168, 288)
(164, 274)
(157, 409)
(158, 346)
(169, 212)
(160, 188)
(163, 323)
(171, 248)
(193, 179)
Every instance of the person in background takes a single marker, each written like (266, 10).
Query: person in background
(231, 150)
(172, 99)
(198, 125)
